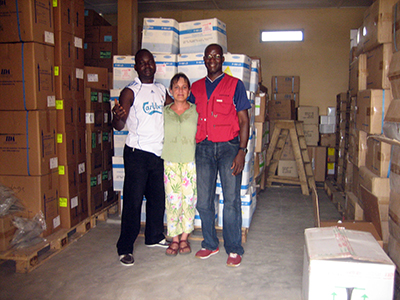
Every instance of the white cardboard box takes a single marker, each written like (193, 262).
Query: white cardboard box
(192, 64)
(167, 67)
(123, 70)
(345, 264)
(195, 36)
(239, 66)
(161, 35)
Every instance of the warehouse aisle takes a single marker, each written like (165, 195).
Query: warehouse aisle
(271, 267)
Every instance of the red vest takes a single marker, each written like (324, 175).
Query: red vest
(218, 120)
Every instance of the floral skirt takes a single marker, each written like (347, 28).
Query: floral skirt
(180, 196)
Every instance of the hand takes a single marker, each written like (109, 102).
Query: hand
(118, 111)
(238, 163)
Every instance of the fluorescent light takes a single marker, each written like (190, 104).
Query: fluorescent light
(282, 36)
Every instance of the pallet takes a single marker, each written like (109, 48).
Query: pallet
(30, 258)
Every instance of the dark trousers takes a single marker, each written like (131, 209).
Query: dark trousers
(144, 176)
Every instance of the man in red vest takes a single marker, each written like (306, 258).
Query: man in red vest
(221, 147)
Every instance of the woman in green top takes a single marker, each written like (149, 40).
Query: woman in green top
(180, 125)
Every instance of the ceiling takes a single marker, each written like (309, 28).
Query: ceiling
(111, 6)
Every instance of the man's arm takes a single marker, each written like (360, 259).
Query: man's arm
(168, 99)
(121, 108)
(239, 161)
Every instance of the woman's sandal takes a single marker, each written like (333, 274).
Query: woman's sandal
(172, 251)
(185, 249)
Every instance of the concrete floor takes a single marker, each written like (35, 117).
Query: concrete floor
(271, 267)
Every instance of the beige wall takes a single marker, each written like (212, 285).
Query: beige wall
(321, 61)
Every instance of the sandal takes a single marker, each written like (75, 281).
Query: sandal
(172, 251)
(185, 249)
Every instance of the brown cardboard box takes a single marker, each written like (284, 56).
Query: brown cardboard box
(108, 34)
(94, 162)
(343, 101)
(63, 12)
(378, 157)
(331, 154)
(37, 193)
(261, 135)
(92, 18)
(353, 208)
(371, 107)
(67, 147)
(281, 110)
(68, 50)
(290, 96)
(358, 75)
(94, 139)
(318, 162)
(79, 19)
(96, 78)
(285, 84)
(73, 209)
(260, 101)
(393, 112)
(259, 162)
(308, 114)
(378, 61)
(311, 134)
(68, 175)
(33, 23)
(378, 23)
(357, 147)
(379, 186)
(394, 75)
(95, 194)
(69, 81)
(28, 142)
(27, 84)
(395, 29)
(328, 139)
(66, 115)
(287, 168)
(287, 152)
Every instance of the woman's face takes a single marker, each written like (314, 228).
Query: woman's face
(180, 90)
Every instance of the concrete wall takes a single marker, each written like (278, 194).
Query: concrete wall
(321, 61)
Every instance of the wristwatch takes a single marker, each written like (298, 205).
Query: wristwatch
(243, 149)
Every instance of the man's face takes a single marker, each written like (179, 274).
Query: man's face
(213, 59)
(145, 66)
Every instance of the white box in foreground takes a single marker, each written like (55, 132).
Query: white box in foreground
(345, 264)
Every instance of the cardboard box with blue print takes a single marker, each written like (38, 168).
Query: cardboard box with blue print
(28, 143)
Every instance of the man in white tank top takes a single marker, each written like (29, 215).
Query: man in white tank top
(140, 107)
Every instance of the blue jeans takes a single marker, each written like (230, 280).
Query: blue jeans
(212, 158)
(144, 176)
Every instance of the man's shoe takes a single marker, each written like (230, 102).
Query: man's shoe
(234, 260)
(205, 253)
(163, 244)
(126, 260)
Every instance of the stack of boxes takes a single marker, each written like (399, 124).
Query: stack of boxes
(179, 47)
(101, 41)
(28, 159)
(69, 82)
(362, 166)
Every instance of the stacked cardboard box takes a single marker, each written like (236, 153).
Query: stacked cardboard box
(69, 79)
(101, 41)
(29, 159)
(99, 140)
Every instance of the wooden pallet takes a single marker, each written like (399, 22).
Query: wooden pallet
(30, 258)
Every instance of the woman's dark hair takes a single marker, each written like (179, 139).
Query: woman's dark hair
(176, 78)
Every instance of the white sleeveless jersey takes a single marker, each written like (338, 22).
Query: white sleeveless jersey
(146, 120)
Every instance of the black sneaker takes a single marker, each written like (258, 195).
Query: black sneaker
(163, 244)
(126, 260)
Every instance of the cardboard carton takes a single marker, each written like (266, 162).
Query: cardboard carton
(28, 142)
(281, 110)
(378, 61)
(32, 22)
(318, 162)
(289, 96)
(27, 76)
(161, 35)
(195, 36)
(260, 102)
(308, 114)
(96, 78)
(378, 157)
(239, 66)
(285, 84)
(345, 263)
(358, 75)
(371, 108)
